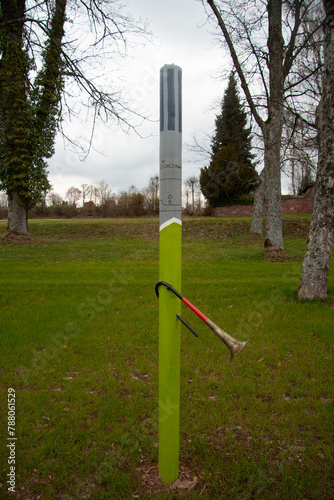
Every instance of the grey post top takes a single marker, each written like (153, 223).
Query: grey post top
(170, 144)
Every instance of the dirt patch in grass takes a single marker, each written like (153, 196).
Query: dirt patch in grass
(10, 237)
(280, 255)
(152, 484)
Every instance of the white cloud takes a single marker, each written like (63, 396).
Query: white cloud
(61, 182)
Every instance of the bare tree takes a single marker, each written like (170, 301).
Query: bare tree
(193, 184)
(54, 199)
(300, 152)
(313, 282)
(104, 192)
(85, 189)
(73, 195)
(266, 48)
(152, 194)
(92, 193)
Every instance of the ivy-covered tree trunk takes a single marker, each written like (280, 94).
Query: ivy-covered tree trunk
(17, 215)
(313, 282)
(28, 112)
(14, 111)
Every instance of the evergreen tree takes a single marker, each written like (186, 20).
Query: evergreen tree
(231, 172)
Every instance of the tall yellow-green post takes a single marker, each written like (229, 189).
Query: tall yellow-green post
(170, 240)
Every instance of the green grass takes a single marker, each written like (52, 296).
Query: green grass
(79, 344)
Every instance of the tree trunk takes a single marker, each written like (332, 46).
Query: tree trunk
(257, 222)
(313, 282)
(272, 171)
(17, 215)
(272, 130)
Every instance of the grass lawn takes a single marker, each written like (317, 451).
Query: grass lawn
(79, 346)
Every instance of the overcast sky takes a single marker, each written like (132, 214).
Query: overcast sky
(182, 37)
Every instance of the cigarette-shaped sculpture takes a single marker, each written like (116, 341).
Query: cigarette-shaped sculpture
(233, 345)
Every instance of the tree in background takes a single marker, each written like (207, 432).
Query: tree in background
(85, 189)
(152, 194)
(300, 155)
(192, 183)
(231, 172)
(104, 192)
(46, 59)
(313, 282)
(231, 123)
(73, 196)
(270, 49)
(54, 199)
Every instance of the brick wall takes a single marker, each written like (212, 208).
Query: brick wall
(293, 205)
(234, 211)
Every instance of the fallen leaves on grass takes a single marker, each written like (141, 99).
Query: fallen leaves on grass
(151, 482)
(14, 238)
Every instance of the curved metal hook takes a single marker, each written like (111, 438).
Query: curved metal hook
(169, 287)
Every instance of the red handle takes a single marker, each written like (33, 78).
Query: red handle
(195, 310)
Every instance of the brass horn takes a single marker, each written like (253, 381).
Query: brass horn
(233, 345)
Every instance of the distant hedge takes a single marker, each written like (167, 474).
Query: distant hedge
(243, 199)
